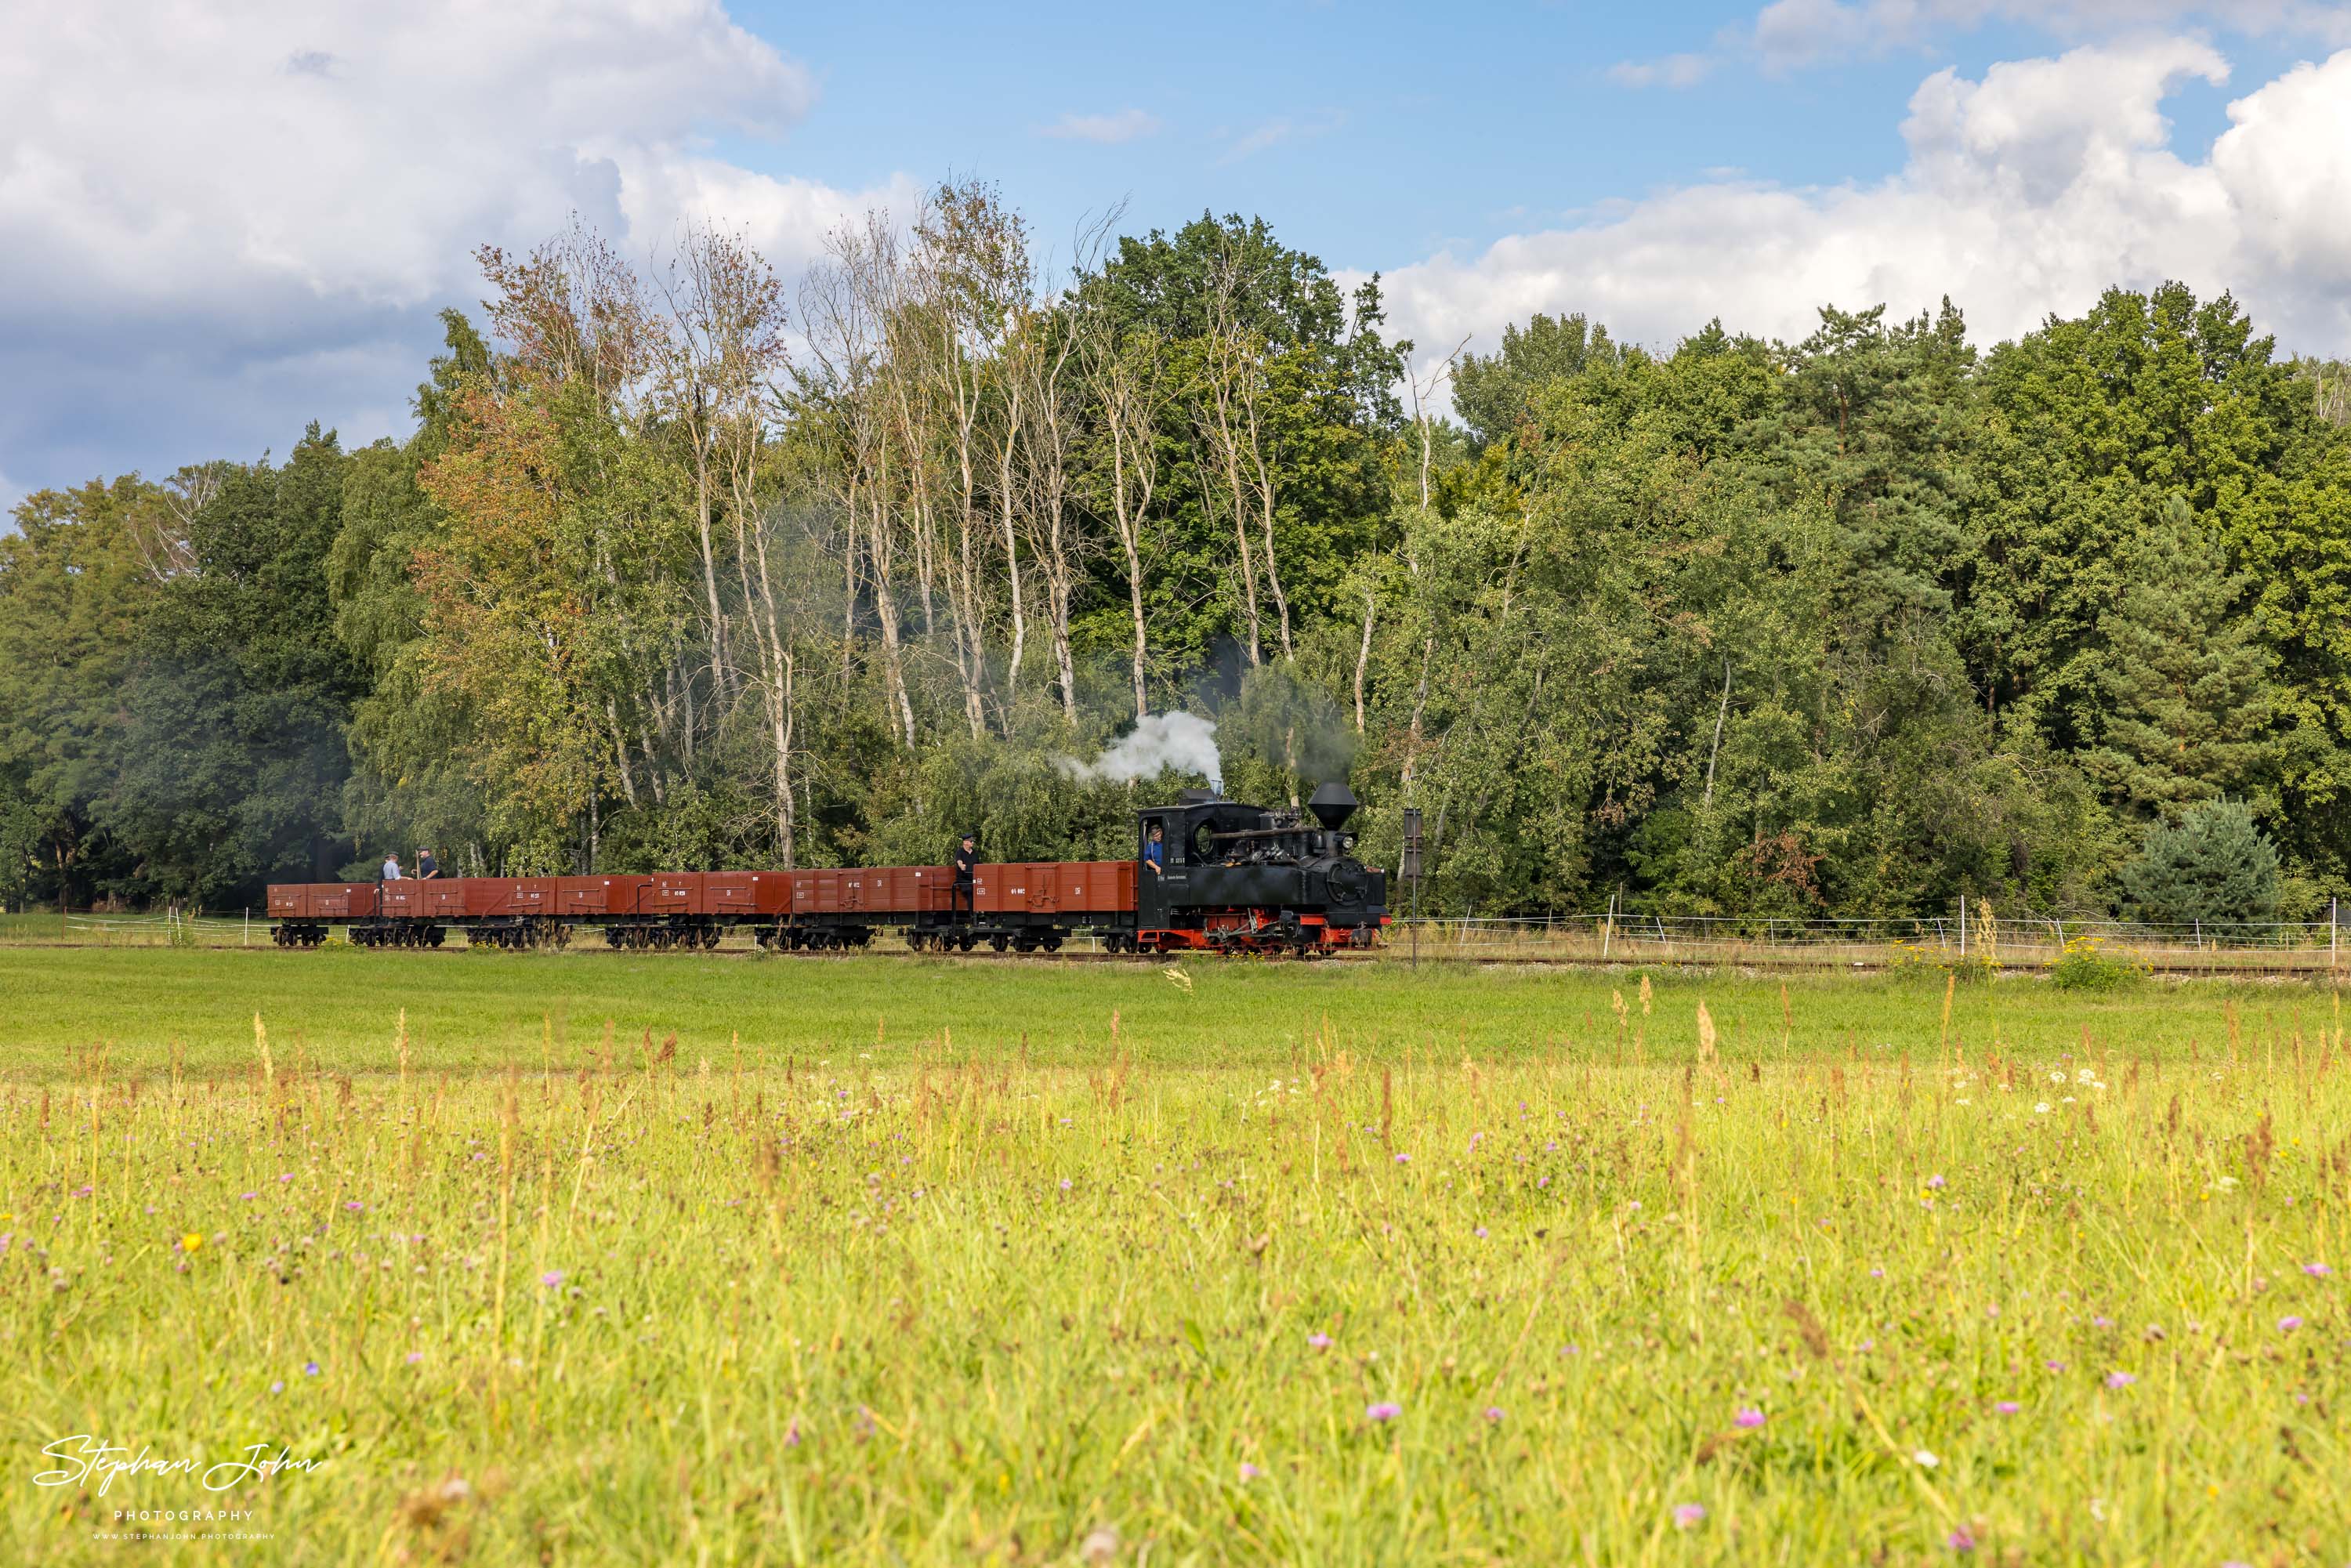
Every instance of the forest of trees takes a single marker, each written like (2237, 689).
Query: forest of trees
(682, 567)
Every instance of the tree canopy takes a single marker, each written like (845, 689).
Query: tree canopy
(681, 566)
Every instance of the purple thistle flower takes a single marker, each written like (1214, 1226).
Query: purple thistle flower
(287, 1177)
(251, 1195)
(551, 1278)
(1960, 1539)
(2119, 1380)
(355, 1206)
(2054, 1366)
(1065, 1184)
(792, 1434)
(1385, 1410)
(1493, 1412)
(1936, 1182)
(2316, 1271)
(1481, 1233)
(1877, 1273)
(278, 1386)
(309, 1369)
(2008, 1406)
(1403, 1159)
(2102, 1322)
(415, 1356)
(1319, 1340)
(1689, 1515)
(1248, 1472)
(1748, 1417)
(2288, 1324)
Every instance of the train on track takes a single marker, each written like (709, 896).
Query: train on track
(1230, 878)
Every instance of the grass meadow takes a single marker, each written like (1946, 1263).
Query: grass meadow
(597, 1258)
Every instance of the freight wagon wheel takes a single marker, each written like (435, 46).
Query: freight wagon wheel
(1053, 944)
(710, 934)
(998, 942)
(438, 933)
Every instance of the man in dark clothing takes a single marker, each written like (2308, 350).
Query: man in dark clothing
(427, 867)
(966, 859)
(1155, 853)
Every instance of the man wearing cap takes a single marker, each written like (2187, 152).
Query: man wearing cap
(966, 861)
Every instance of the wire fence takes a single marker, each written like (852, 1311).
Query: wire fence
(1984, 940)
(165, 929)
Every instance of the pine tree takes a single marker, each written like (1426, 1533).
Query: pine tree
(2211, 865)
(2185, 678)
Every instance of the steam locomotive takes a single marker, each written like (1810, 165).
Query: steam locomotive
(1227, 878)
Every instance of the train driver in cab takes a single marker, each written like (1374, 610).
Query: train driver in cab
(1155, 853)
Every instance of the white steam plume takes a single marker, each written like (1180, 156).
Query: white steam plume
(1157, 742)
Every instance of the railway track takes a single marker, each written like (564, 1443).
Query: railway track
(1788, 963)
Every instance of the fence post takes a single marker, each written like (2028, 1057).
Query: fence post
(1608, 928)
(2333, 906)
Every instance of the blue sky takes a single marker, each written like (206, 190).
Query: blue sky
(1413, 126)
(217, 225)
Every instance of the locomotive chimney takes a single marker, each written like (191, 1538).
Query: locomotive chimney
(1332, 804)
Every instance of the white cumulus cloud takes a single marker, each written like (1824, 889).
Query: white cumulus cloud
(2025, 192)
(217, 221)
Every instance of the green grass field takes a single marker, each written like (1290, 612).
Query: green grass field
(339, 1010)
(1295, 1264)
